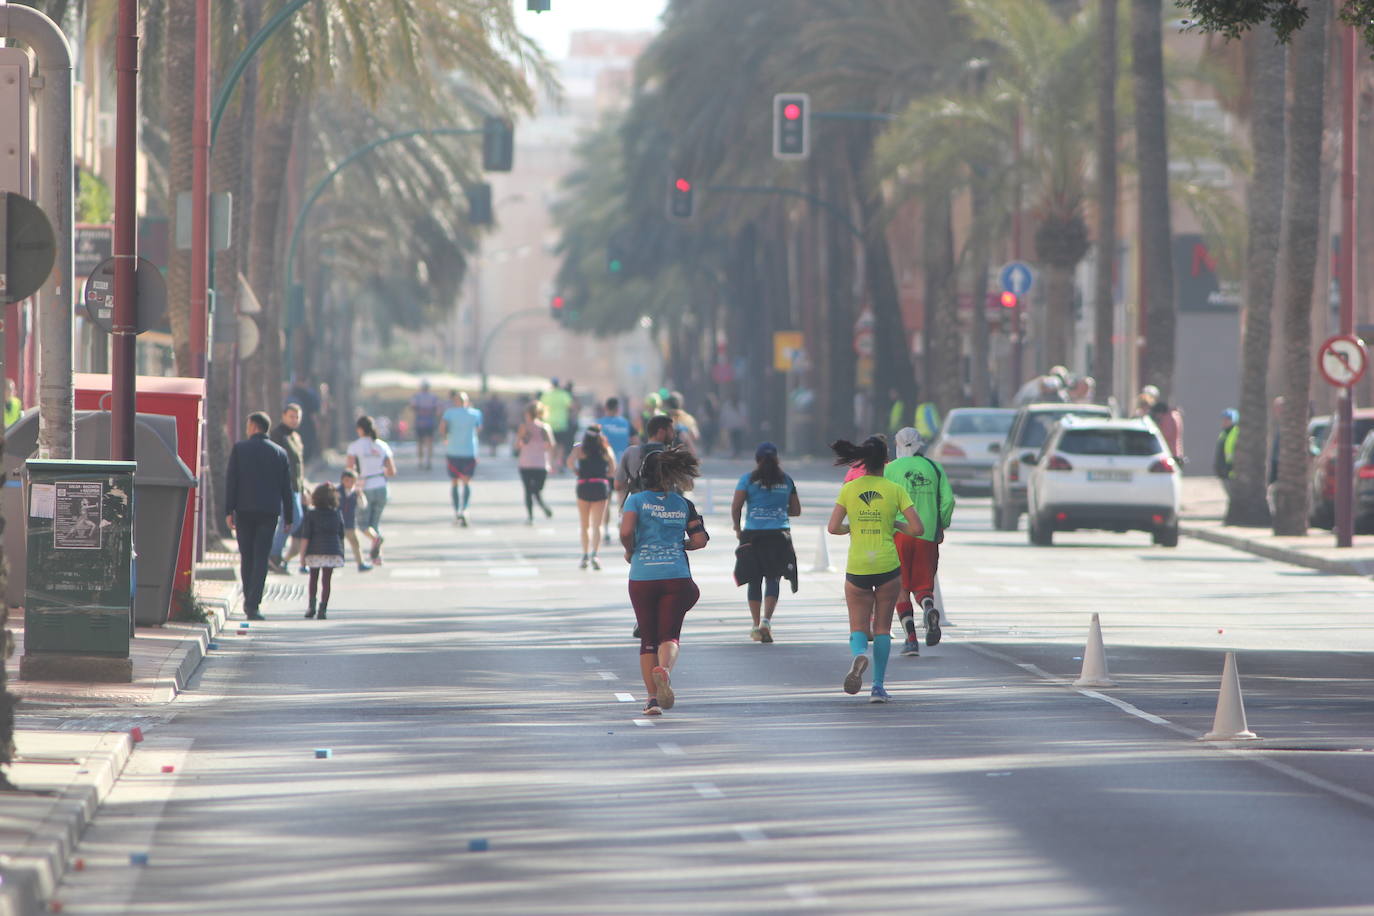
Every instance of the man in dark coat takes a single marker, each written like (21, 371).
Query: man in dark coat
(257, 493)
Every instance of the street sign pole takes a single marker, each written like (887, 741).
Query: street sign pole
(125, 185)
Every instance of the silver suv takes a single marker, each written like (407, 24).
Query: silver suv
(1019, 451)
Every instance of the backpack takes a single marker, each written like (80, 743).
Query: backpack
(637, 478)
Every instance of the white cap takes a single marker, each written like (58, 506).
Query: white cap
(909, 442)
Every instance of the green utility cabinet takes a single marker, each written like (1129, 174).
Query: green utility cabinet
(78, 597)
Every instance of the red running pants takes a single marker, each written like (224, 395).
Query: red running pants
(920, 560)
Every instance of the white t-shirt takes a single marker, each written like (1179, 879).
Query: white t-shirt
(371, 455)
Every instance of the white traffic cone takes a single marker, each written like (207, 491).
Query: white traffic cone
(940, 604)
(1229, 723)
(1094, 673)
(822, 561)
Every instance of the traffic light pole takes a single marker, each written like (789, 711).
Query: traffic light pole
(320, 188)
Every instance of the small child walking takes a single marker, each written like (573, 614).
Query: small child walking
(322, 534)
(351, 500)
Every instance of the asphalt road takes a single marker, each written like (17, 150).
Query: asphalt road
(480, 699)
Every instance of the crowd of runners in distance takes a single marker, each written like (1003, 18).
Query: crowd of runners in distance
(894, 513)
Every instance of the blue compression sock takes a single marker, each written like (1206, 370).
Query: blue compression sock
(457, 502)
(467, 496)
(858, 642)
(882, 648)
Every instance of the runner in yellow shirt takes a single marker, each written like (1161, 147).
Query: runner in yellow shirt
(875, 507)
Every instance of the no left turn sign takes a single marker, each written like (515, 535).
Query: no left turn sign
(1342, 360)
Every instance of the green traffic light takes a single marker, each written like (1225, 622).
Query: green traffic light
(615, 265)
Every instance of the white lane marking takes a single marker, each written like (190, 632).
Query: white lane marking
(608, 675)
(513, 572)
(591, 659)
(414, 572)
(750, 834)
(671, 749)
(707, 790)
(804, 894)
(625, 697)
(1119, 704)
(644, 723)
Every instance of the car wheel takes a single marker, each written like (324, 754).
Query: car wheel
(1039, 534)
(1166, 537)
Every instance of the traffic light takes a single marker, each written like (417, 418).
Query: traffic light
(556, 308)
(791, 125)
(680, 199)
(498, 144)
(1008, 300)
(479, 204)
(537, 6)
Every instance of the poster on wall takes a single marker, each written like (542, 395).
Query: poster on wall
(78, 515)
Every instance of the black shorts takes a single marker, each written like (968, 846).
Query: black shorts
(566, 438)
(424, 432)
(873, 581)
(461, 466)
(594, 491)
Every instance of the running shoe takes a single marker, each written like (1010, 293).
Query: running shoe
(756, 634)
(364, 567)
(855, 678)
(765, 631)
(912, 646)
(463, 519)
(879, 695)
(666, 697)
(652, 708)
(376, 551)
(583, 564)
(635, 634)
(932, 615)
(596, 564)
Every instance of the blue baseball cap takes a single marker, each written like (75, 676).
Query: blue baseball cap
(1231, 414)
(765, 448)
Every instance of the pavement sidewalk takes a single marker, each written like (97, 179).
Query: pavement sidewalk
(1204, 507)
(73, 739)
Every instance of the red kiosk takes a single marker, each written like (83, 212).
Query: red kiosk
(183, 398)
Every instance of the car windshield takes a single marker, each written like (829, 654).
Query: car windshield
(1137, 442)
(1037, 427)
(980, 424)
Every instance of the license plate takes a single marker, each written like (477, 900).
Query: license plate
(1110, 476)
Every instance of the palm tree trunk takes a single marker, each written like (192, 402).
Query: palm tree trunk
(1301, 208)
(272, 137)
(1104, 304)
(980, 250)
(941, 379)
(178, 101)
(1156, 242)
(1264, 215)
(1058, 323)
(838, 346)
(7, 699)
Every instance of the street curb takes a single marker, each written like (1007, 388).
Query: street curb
(1282, 554)
(30, 878)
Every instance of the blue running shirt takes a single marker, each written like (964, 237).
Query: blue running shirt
(617, 432)
(462, 431)
(765, 508)
(659, 535)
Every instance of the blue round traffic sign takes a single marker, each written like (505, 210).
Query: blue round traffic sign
(1017, 277)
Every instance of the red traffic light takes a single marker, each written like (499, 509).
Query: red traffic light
(557, 302)
(1008, 300)
(683, 185)
(791, 111)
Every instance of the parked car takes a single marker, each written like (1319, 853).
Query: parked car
(967, 446)
(1321, 511)
(1029, 430)
(1104, 474)
(1364, 486)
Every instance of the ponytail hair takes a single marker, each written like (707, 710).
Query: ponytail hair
(672, 468)
(872, 454)
(367, 427)
(768, 473)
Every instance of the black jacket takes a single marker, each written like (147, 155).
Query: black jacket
(259, 479)
(290, 440)
(323, 532)
(766, 553)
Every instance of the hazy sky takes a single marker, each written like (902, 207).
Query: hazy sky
(551, 29)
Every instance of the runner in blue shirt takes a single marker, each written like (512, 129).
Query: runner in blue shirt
(765, 498)
(460, 425)
(658, 527)
(620, 433)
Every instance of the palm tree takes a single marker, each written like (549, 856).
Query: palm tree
(1152, 154)
(1302, 184)
(1248, 503)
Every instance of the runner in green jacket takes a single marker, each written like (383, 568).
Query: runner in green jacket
(933, 498)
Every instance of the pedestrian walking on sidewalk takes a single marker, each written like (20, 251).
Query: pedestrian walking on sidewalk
(371, 458)
(659, 525)
(287, 435)
(460, 426)
(876, 508)
(925, 482)
(765, 498)
(424, 408)
(534, 444)
(593, 460)
(257, 493)
(351, 502)
(322, 536)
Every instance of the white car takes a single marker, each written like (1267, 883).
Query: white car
(1106, 474)
(968, 443)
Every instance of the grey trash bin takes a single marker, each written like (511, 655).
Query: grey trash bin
(162, 484)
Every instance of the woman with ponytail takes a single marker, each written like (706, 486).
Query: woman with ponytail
(658, 525)
(875, 508)
(765, 553)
